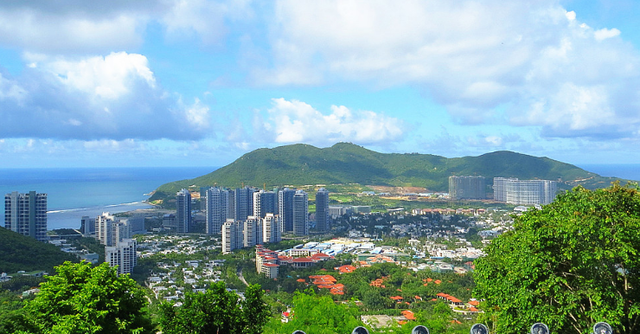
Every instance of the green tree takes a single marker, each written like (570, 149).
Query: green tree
(318, 315)
(216, 311)
(569, 265)
(81, 299)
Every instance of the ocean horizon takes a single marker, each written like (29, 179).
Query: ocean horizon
(76, 192)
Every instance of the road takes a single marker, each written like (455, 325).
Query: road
(242, 277)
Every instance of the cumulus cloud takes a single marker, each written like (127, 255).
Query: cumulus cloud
(295, 121)
(532, 59)
(204, 18)
(78, 26)
(113, 97)
(605, 33)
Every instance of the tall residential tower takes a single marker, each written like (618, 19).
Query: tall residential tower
(322, 210)
(300, 213)
(183, 210)
(26, 214)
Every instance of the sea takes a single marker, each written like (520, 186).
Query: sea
(76, 192)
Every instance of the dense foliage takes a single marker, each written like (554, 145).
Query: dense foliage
(19, 252)
(346, 163)
(216, 311)
(569, 265)
(82, 299)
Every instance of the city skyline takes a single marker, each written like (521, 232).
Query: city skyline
(200, 82)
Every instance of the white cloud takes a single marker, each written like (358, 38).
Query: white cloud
(79, 26)
(53, 32)
(605, 33)
(295, 121)
(476, 58)
(197, 115)
(113, 97)
(107, 145)
(204, 18)
(107, 77)
(10, 89)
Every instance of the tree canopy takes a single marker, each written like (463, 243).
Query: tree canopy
(571, 264)
(81, 299)
(216, 311)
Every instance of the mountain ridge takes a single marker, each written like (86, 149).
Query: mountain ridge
(344, 163)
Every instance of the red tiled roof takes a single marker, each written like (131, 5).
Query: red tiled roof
(409, 315)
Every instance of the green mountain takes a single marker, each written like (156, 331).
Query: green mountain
(348, 163)
(18, 252)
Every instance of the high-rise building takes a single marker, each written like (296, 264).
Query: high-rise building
(500, 188)
(123, 255)
(300, 213)
(467, 187)
(285, 209)
(104, 229)
(243, 203)
(26, 214)
(136, 224)
(264, 202)
(231, 235)
(252, 231)
(110, 230)
(88, 226)
(183, 210)
(203, 195)
(322, 210)
(530, 192)
(271, 231)
(217, 207)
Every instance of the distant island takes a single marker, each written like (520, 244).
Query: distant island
(346, 163)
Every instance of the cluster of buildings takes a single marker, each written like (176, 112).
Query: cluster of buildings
(508, 190)
(115, 234)
(27, 214)
(268, 261)
(246, 216)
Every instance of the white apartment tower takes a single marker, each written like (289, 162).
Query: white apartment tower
(500, 188)
(252, 231)
(231, 236)
(300, 213)
(123, 255)
(271, 229)
(26, 214)
(524, 192)
(109, 230)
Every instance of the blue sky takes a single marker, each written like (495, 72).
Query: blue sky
(198, 82)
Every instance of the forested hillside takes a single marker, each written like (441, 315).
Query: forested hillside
(345, 163)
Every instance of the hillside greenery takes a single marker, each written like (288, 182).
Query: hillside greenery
(18, 252)
(346, 163)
